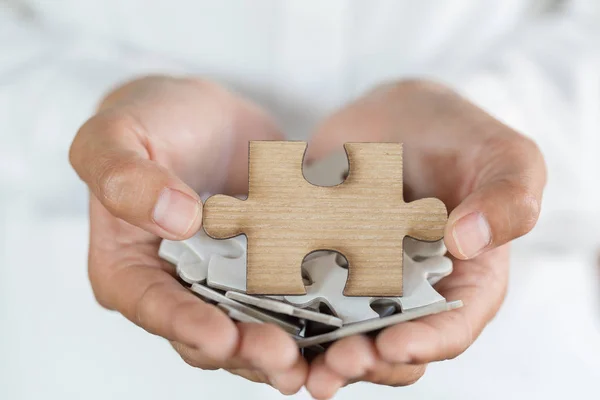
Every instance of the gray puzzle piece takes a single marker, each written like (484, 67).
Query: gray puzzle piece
(192, 256)
(284, 308)
(377, 324)
(227, 273)
(417, 249)
(418, 291)
(329, 280)
(190, 268)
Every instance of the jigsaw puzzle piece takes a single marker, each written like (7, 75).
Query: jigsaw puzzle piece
(213, 295)
(418, 291)
(285, 217)
(284, 308)
(204, 246)
(191, 268)
(328, 284)
(417, 249)
(227, 273)
(191, 256)
(171, 250)
(378, 324)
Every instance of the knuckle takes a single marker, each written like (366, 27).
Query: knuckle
(114, 179)
(414, 374)
(99, 289)
(525, 207)
(147, 304)
(193, 358)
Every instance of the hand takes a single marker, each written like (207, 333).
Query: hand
(488, 175)
(154, 144)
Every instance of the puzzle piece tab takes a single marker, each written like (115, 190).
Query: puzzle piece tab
(284, 218)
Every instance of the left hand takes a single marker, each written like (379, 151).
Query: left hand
(489, 176)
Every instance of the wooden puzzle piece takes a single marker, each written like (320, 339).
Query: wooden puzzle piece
(377, 324)
(229, 274)
(285, 218)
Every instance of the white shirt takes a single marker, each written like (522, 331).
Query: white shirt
(533, 64)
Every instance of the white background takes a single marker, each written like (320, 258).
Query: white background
(58, 57)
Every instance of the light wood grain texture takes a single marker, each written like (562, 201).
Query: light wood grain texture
(285, 218)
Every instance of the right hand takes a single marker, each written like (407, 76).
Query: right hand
(154, 144)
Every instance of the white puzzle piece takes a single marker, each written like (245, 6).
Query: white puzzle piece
(418, 249)
(377, 324)
(329, 280)
(217, 297)
(204, 246)
(284, 308)
(238, 315)
(227, 273)
(418, 291)
(171, 250)
(191, 268)
(192, 256)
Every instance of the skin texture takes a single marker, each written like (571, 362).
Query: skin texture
(157, 142)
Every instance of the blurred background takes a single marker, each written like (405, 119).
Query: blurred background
(533, 64)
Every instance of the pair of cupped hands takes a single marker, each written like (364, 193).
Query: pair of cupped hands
(156, 143)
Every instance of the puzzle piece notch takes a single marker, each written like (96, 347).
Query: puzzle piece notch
(285, 218)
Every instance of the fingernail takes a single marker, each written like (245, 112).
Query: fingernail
(472, 234)
(175, 211)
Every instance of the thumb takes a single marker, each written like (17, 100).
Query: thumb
(119, 172)
(504, 202)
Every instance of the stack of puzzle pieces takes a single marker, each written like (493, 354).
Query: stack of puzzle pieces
(216, 271)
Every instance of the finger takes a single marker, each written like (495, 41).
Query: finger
(262, 348)
(290, 381)
(481, 287)
(154, 300)
(144, 156)
(491, 176)
(322, 382)
(351, 357)
(385, 373)
(198, 359)
(356, 359)
(109, 156)
(267, 347)
(504, 202)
